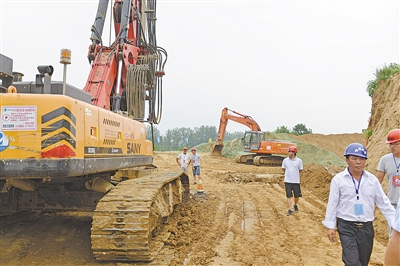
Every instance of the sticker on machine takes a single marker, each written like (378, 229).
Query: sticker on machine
(88, 112)
(4, 142)
(18, 118)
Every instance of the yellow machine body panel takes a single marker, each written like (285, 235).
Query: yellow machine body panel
(44, 128)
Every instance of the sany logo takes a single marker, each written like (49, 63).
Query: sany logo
(4, 142)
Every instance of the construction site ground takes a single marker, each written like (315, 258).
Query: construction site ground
(239, 220)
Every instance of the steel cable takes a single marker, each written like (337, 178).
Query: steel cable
(144, 80)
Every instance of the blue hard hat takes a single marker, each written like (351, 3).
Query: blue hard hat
(356, 149)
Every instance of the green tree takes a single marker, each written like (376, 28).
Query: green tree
(301, 129)
(202, 134)
(180, 137)
(384, 74)
(282, 129)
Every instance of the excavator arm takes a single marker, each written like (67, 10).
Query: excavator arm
(227, 115)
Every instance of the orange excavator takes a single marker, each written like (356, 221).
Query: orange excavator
(261, 151)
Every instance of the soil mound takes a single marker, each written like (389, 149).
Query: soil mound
(385, 116)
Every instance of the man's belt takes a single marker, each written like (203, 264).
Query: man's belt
(356, 224)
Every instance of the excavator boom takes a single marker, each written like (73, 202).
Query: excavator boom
(227, 115)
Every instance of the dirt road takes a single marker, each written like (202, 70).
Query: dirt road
(240, 220)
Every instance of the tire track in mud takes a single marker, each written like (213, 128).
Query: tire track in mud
(250, 221)
(274, 209)
(258, 230)
(307, 234)
(275, 230)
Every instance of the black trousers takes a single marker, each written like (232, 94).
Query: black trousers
(357, 240)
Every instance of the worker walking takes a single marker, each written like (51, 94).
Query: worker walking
(196, 165)
(390, 165)
(353, 195)
(292, 167)
(183, 160)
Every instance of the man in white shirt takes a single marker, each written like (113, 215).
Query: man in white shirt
(292, 167)
(183, 160)
(352, 198)
(196, 165)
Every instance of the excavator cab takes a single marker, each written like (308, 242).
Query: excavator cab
(251, 140)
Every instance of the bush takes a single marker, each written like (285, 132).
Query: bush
(382, 74)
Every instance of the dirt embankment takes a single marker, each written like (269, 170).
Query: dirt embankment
(385, 116)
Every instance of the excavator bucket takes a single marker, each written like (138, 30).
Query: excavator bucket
(216, 148)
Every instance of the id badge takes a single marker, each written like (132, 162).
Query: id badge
(396, 180)
(359, 209)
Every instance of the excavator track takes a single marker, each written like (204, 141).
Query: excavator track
(244, 158)
(127, 220)
(265, 160)
(259, 160)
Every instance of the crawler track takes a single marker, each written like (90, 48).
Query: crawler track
(268, 160)
(259, 160)
(126, 220)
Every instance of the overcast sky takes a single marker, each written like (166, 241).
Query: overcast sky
(281, 62)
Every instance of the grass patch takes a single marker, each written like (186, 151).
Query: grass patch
(384, 74)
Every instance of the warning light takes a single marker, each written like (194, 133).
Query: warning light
(65, 57)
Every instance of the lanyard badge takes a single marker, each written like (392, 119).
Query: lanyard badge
(358, 207)
(396, 178)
